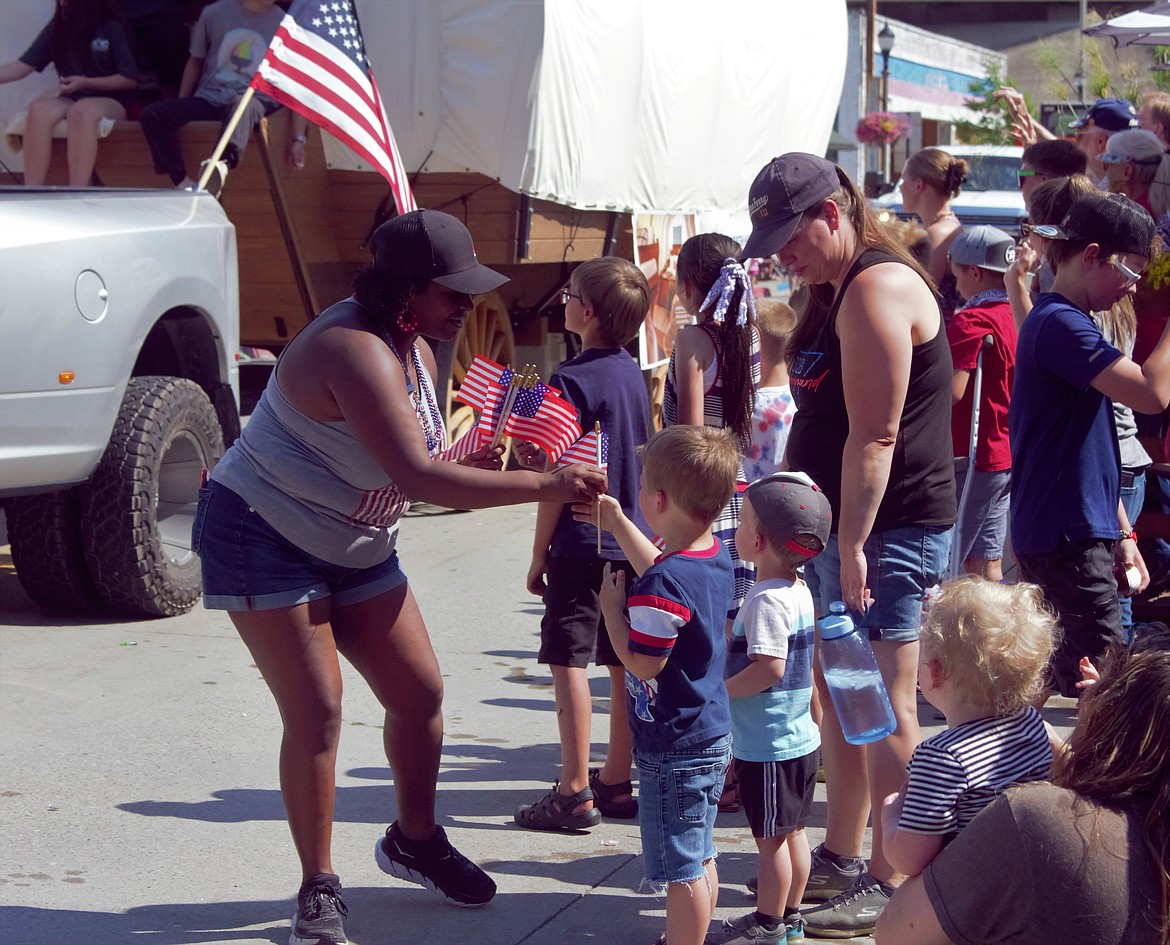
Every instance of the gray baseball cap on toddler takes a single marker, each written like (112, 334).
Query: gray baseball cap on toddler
(789, 504)
(985, 247)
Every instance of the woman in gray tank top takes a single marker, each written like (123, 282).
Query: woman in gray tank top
(296, 532)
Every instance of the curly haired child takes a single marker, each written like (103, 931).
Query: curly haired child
(984, 650)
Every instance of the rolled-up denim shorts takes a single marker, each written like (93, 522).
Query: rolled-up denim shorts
(902, 565)
(678, 798)
(248, 565)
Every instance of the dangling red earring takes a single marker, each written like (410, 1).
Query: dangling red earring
(407, 322)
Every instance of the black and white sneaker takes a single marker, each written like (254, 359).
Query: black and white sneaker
(319, 913)
(436, 865)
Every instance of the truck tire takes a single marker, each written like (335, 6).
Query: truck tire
(137, 508)
(45, 534)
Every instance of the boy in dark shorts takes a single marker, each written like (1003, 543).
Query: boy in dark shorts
(785, 522)
(605, 303)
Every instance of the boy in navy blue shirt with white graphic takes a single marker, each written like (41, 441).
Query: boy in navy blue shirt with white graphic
(669, 635)
(605, 303)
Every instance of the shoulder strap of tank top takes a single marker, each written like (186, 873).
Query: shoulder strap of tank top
(871, 257)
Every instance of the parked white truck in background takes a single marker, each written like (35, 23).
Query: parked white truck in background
(119, 328)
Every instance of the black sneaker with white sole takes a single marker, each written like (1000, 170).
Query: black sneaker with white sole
(318, 919)
(436, 865)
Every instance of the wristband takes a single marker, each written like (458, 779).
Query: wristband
(299, 139)
(1130, 534)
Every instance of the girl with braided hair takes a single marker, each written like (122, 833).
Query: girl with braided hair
(715, 365)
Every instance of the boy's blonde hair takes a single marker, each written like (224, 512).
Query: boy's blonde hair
(775, 321)
(696, 466)
(993, 641)
(617, 292)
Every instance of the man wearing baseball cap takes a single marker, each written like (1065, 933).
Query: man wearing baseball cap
(1107, 116)
(979, 257)
(879, 447)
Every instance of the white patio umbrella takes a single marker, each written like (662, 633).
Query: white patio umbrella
(1148, 27)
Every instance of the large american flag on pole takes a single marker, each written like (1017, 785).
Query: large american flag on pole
(316, 65)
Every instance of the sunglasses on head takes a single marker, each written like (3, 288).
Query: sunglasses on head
(1043, 230)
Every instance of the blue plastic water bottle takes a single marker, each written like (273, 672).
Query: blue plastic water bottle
(854, 680)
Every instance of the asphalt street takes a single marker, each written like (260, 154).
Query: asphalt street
(139, 793)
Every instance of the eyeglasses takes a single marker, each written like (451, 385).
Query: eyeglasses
(566, 295)
(1131, 277)
(1024, 175)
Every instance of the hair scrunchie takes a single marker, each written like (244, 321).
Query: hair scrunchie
(731, 276)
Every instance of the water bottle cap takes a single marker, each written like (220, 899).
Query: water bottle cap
(837, 624)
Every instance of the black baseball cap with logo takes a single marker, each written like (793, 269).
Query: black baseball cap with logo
(435, 246)
(1113, 221)
(785, 187)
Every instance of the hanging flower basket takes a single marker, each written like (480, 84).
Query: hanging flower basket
(881, 128)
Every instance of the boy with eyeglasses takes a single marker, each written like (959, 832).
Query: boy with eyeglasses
(1069, 529)
(605, 303)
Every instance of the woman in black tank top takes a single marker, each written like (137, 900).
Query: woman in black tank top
(870, 371)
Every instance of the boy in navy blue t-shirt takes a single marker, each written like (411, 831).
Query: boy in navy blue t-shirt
(1068, 525)
(673, 647)
(605, 302)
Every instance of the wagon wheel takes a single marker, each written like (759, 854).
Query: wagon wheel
(487, 331)
(657, 386)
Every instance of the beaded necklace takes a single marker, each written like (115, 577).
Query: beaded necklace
(942, 215)
(429, 417)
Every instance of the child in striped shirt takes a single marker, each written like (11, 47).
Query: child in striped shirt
(984, 648)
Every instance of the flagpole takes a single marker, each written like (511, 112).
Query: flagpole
(597, 446)
(506, 409)
(241, 107)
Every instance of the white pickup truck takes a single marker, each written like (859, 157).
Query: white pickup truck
(119, 328)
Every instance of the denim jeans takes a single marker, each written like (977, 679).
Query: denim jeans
(903, 564)
(678, 798)
(248, 565)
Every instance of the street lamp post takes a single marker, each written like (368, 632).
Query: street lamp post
(886, 44)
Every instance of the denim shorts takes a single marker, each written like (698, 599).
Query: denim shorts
(249, 565)
(983, 528)
(678, 798)
(902, 565)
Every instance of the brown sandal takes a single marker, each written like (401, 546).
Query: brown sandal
(604, 797)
